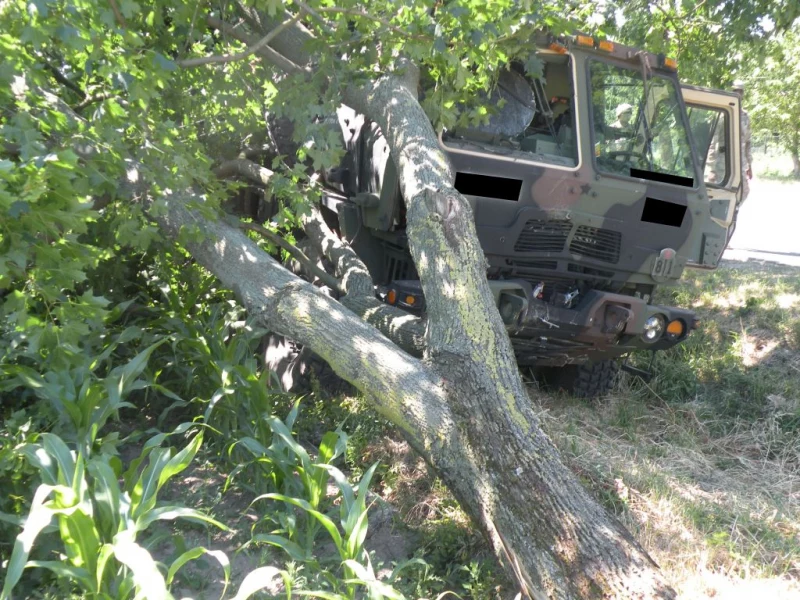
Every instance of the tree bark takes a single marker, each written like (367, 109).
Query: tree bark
(795, 152)
(463, 405)
(503, 469)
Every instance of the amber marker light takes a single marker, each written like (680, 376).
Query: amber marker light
(584, 40)
(675, 329)
(556, 47)
(671, 63)
(410, 300)
(391, 297)
(605, 46)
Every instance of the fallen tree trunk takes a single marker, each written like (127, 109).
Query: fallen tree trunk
(485, 443)
(462, 405)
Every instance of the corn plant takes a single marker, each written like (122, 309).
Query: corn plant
(98, 520)
(83, 401)
(302, 484)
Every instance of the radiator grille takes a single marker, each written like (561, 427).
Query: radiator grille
(600, 244)
(549, 265)
(543, 236)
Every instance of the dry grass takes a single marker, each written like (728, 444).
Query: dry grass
(702, 465)
(721, 515)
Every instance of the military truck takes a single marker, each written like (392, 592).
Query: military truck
(595, 180)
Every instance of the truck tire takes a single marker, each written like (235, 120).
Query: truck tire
(297, 368)
(591, 380)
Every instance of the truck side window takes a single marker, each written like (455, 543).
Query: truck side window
(529, 118)
(709, 127)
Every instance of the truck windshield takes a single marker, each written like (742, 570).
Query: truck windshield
(637, 123)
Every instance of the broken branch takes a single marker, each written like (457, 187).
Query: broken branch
(260, 47)
(296, 253)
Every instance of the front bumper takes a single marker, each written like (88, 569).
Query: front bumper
(599, 326)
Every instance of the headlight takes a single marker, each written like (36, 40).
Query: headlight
(653, 328)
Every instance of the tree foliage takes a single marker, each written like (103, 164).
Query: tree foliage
(775, 85)
(118, 115)
(709, 39)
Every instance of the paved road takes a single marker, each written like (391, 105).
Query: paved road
(768, 227)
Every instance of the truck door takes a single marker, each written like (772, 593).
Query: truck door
(715, 125)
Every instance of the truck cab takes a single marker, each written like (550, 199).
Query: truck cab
(592, 181)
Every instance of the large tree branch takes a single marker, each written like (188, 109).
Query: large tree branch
(568, 547)
(406, 330)
(245, 168)
(293, 43)
(262, 43)
(295, 252)
(403, 388)
(354, 280)
(361, 13)
(63, 80)
(269, 54)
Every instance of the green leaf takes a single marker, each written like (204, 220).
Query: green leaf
(329, 525)
(128, 373)
(39, 458)
(328, 447)
(103, 556)
(146, 576)
(365, 577)
(147, 449)
(106, 492)
(56, 448)
(319, 594)
(255, 581)
(143, 497)
(170, 513)
(180, 461)
(195, 553)
(164, 63)
(66, 571)
(294, 550)
(80, 538)
(38, 518)
(18, 208)
(282, 431)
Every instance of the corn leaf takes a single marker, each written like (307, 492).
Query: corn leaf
(170, 513)
(255, 581)
(366, 578)
(61, 569)
(143, 497)
(146, 576)
(56, 448)
(327, 523)
(180, 461)
(195, 553)
(80, 537)
(103, 556)
(106, 492)
(294, 550)
(38, 518)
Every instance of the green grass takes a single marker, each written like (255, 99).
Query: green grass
(703, 463)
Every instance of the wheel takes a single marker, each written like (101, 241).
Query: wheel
(298, 369)
(591, 380)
